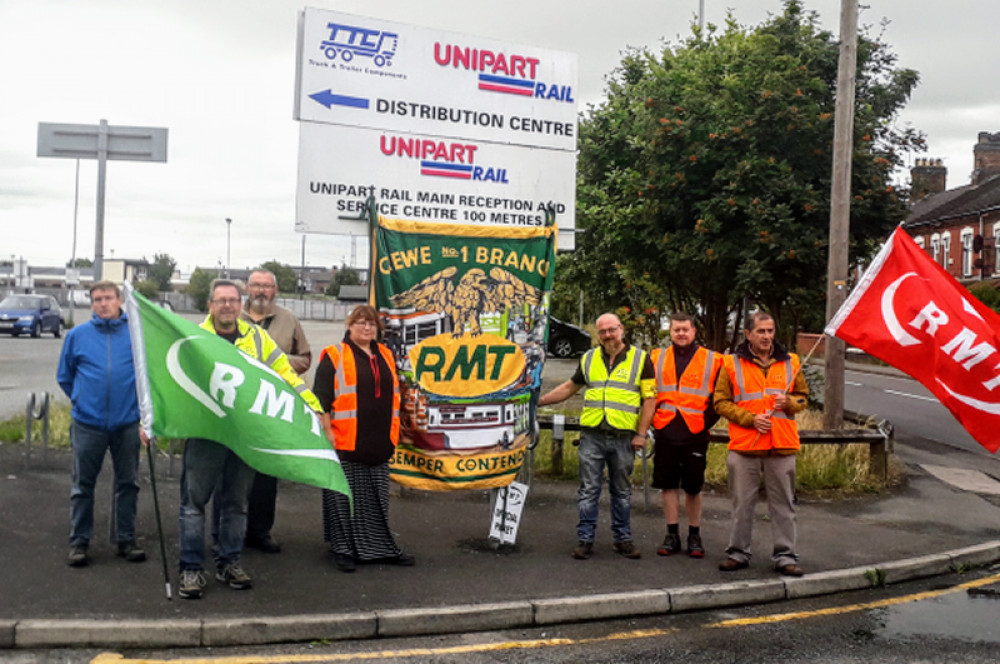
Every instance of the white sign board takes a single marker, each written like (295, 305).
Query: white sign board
(368, 72)
(426, 178)
(506, 518)
(79, 141)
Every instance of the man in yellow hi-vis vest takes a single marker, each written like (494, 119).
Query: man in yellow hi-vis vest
(617, 410)
(759, 391)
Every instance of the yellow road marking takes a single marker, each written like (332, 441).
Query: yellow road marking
(115, 658)
(780, 617)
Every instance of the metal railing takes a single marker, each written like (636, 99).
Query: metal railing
(879, 441)
(36, 408)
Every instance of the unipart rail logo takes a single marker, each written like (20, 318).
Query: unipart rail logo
(442, 158)
(505, 73)
(349, 41)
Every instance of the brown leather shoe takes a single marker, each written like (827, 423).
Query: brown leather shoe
(790, 570)
(731, 564)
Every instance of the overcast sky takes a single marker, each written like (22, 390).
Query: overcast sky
(220, 75)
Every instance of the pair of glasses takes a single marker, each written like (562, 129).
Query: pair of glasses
(261, 287)
(610, 330)
(227, 301)
(366, 323)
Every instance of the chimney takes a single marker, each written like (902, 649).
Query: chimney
(928, 176)
(986, 157)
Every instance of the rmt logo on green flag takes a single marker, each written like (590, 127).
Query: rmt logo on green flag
(194, 384)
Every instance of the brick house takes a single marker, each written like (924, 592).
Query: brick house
(959, 227)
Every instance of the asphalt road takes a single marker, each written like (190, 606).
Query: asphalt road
(909, 406)
(931, 620)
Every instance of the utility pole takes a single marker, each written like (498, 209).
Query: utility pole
(840, 211)
(302, 270)
(229, 226)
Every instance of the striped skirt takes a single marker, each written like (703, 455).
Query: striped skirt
(365, 535)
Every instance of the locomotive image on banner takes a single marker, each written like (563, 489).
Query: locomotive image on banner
(465, 312)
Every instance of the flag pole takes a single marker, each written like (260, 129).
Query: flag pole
(792, 381)
(156, 510)
(145, 410)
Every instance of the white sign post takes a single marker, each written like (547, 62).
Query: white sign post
(506, 515)
(101, 142)
(435, 125)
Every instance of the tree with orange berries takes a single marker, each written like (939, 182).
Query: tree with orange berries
(707, 169)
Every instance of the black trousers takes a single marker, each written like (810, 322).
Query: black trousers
(260, 507)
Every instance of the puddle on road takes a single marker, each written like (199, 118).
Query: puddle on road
(955, 615)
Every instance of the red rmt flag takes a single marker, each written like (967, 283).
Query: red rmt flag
(912, 314)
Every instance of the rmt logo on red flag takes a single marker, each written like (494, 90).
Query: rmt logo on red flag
(912, 314)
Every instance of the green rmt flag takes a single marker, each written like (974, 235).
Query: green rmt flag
(194, 384)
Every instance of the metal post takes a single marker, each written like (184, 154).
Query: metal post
(72, 260)
(840, 211)
(102, 168)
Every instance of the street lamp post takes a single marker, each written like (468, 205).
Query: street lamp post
(229, 226)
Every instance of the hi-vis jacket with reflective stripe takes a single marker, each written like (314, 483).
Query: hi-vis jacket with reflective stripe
(688, 395)
(617, 396)
(258, 344)
(344, 414)
(755, 392)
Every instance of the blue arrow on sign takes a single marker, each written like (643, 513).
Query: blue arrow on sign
(328, 99)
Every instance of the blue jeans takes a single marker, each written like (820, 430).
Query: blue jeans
(597, 449)
(207, 464)
(89, 447)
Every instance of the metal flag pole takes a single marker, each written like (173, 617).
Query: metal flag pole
(142, 389)
(156, 509)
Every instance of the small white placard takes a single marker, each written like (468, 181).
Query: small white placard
(504, 522)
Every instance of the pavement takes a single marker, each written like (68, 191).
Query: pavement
(460, 582)
(938, 523)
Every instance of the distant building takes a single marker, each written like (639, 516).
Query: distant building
(959, 227)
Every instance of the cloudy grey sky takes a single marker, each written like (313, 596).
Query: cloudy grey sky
(220, 75)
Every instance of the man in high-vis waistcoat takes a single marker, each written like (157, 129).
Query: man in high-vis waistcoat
(617, 411)
(759, 391)
(685, 380)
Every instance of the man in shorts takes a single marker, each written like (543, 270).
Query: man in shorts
(685, 381)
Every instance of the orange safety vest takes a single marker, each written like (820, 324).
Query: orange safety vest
(690, 394)
(344, 414)
(755, 393)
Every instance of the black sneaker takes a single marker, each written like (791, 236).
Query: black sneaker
(234, 576)
(131, 552)
(695, 548)
(582, 550)
(627, 549)
(77, 556)
(192, 583)
(267, 544)
(671, 545)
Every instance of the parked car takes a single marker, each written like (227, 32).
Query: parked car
(31, 314)
(566, 340)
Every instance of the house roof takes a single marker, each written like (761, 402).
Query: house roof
(955, 203)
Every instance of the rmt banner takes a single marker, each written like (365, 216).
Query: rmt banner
(912, 314)
(465, 313)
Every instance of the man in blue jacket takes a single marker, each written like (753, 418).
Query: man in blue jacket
(97, 374)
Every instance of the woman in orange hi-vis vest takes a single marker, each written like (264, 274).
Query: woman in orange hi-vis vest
(357, 386)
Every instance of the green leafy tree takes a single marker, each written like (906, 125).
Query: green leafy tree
(198, 287)
(988, 295)
(161, 271)
(149, 289)
(706, 172)
(79, 262)
(285, 275)
(345, 276)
